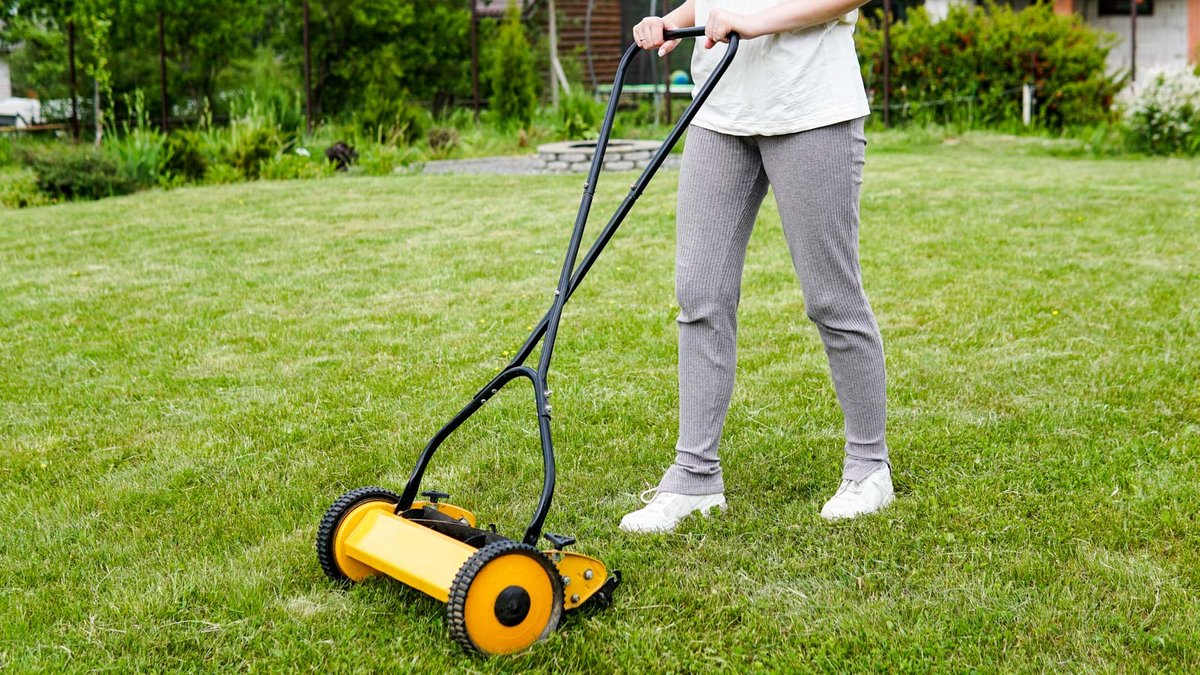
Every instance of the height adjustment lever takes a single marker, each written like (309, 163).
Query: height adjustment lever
(559, 541)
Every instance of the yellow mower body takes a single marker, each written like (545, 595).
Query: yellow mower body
(502, 596)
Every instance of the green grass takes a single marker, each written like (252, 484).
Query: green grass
(188, 379)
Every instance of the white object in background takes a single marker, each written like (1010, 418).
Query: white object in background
(1027, 104)
(26, 111)
(5, 81)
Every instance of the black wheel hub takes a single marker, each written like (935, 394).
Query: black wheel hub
(512, 606)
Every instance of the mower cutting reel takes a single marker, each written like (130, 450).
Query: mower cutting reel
(501, 595)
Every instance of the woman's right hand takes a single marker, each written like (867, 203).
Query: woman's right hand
(648, 34)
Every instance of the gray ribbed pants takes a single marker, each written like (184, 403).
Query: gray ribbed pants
(816, 176)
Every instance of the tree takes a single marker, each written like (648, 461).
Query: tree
(368, 51)
(511, 72)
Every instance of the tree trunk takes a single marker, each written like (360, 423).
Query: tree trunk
(74, 84)
(887, 63)
(162, 72)
(308, 106)
(475, 60)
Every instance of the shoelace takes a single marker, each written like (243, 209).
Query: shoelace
(653, 492)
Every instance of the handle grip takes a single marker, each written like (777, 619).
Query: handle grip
(680, 33)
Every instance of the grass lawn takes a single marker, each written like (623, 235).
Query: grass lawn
(189, 378)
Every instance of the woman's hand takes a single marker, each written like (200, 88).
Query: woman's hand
(648, 34)
(722, 22)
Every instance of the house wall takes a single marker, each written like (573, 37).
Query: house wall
(5, 80)
(607, 37)
(1163, 40)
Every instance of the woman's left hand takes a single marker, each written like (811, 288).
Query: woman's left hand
(721, 22)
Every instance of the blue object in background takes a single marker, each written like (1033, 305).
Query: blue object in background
(680, 77)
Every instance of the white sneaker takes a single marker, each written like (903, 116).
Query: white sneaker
(859, 497)
(667, 509)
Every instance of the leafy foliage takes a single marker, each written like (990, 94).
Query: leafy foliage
(76, 172)
(579, 115)
(368, 51)
(19, 189)
(186, 157)
(977, 59)
(1162, 116)
(292, 166)
(510, 71)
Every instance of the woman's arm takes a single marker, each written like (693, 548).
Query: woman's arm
(786, 16)
(648, 34)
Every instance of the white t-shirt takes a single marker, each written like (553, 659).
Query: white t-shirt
(781, 83)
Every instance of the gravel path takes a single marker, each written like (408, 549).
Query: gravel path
(514, 166)
(523, 165)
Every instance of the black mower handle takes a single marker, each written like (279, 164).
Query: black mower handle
(573, 272)
(680, 33)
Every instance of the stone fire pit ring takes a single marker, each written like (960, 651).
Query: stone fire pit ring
(576, 156)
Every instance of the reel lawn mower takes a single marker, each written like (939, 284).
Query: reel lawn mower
(502, 595)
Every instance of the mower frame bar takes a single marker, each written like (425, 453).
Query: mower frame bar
(572, 275)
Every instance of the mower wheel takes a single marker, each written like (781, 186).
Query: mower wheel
(506, 597)
(338, 522)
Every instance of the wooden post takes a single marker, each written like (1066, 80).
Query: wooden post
(162, 71)
(308, 104)
(71, 75)
(97, 115)
(666, 9)
(475, 58)
(887, 63)
(1133, 10)
(553, 55)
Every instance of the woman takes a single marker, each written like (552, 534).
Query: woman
(788, 114)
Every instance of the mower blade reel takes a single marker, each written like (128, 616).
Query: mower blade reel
(408, 552)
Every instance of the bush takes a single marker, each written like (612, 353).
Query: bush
(514, 82)
(8, 156)
(77, 172)
(443, 141)
(141, 155)
(392, 122)
(341, 155)
(383, 160)
(579, 115)
(295, 166)
(222, 174)
(969, 67)
(18, 189)
(186, 158)
(251, 148)
(1162, 116)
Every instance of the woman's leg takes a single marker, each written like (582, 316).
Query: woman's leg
(721, 187)
(817, 176)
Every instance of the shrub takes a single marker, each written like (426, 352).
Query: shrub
(443, 141)
(76, 172)
(222, 174)
(970, 66)
(186, 158)
(8, 156)
(18, 190)
(341, 155)
(579, 115)
(392, 122)
(514, 82)
(140, 150)
(251, 148)
(1162, 115)
(293, 166)
(383, 160)
(141, 155)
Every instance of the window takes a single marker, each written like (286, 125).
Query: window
(1121, 8)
